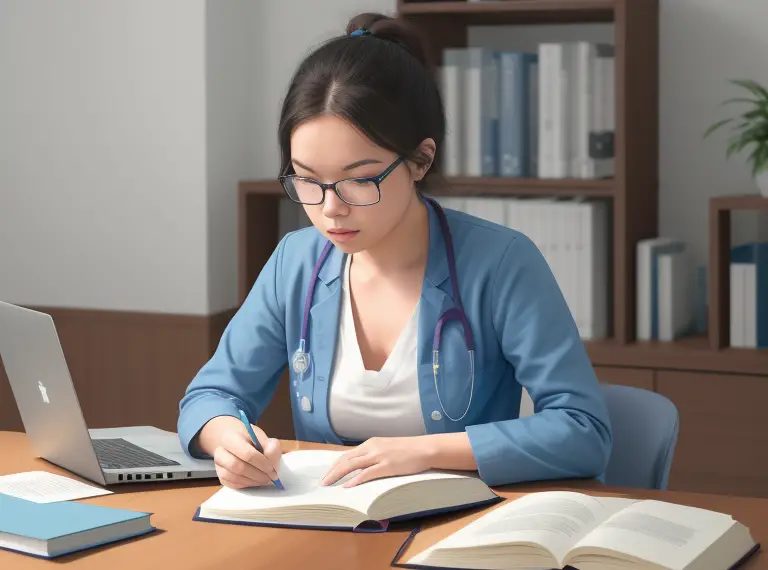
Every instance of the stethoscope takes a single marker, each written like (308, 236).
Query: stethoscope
(301, 358)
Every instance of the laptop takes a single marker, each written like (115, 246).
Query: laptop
(53, 419)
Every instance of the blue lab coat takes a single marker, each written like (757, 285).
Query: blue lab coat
(524, 336)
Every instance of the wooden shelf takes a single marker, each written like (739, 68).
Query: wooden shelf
(742, 202)
(473, 186)
(690, 353)
(720, 209)
(507, 12)
(470, 186)
(261, 187)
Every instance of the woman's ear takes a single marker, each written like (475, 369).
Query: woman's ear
(426, 153)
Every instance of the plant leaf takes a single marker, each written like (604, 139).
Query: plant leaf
(753, 87)
(716, 126)
(756, 133)
(742, 100)
(756, 113)
(757, 158)
(736, 145)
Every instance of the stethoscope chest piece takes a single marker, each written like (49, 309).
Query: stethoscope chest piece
(300, 361)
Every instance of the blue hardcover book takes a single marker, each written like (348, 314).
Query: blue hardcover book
(481, 112)
(370, 507)
(49, 530)
(515, 120)
(757, 254)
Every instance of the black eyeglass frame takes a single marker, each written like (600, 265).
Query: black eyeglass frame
(377, 180)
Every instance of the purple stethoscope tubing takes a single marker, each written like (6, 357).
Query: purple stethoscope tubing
(301, 359)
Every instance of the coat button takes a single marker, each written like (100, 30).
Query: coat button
(437, 415)
(306, 405)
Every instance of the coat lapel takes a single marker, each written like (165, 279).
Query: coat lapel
(435, 301)
(324, 329)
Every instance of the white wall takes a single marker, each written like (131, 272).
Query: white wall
(102, 154)
(125, 126)
(232, 55)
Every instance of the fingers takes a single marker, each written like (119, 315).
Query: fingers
(273, 451)
(240, 445)
(260, 435)
(237, 470)
(343, 468)
(233, 481)
(374, 472)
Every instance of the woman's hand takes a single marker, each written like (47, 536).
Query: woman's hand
(383, 457)
(238, 463)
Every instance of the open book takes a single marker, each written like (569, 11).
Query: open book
(558, 529)
(367, 507)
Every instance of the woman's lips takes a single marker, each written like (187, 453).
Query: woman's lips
(343, 235)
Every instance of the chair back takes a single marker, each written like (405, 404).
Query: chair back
(645, 427)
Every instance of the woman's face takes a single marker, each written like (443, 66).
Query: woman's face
(329, 149)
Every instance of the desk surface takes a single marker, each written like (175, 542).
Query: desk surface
(182, 543)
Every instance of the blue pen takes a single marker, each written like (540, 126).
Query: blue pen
(256, 443)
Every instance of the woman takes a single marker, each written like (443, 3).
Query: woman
(360, 129)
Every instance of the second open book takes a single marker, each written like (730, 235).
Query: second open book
(558, 529)
(370, 506)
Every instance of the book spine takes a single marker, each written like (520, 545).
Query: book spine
(473, 105)
(453, 83)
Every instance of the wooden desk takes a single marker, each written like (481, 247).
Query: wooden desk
(182, 543)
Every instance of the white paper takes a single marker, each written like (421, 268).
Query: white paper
(44, 487)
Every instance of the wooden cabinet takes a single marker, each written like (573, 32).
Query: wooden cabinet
(723, 441)
(635, 377)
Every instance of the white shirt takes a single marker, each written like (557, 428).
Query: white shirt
(367, 403)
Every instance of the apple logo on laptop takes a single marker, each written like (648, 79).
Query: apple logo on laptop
(43, 391)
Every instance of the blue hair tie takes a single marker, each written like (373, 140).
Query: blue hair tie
(360, 32)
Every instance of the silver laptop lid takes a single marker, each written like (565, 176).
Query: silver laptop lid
(42, 387)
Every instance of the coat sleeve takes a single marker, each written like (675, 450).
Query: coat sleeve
(569, 435)
(246, 367)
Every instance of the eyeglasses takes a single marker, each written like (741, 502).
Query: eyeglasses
(353, 191)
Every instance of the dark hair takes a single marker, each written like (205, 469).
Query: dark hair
(380, 80)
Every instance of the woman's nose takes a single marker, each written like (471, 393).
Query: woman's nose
(333, 205)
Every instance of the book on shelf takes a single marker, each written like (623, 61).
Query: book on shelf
(546, 113)
(565, 529)
(749, 295)
(665, 304)
(367, 507)
(50, 530)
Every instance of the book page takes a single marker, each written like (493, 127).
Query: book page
(301, 473)
(555, 520)
(662, 533)
(44, 487)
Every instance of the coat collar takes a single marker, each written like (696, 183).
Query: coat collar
(437, 261)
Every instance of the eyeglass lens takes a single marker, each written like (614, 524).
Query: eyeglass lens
(352, 191)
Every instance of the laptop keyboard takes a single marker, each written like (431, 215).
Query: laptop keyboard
(122, 454)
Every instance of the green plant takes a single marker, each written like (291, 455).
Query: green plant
(752, 127)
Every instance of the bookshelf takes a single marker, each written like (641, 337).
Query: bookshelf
(720, 209)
